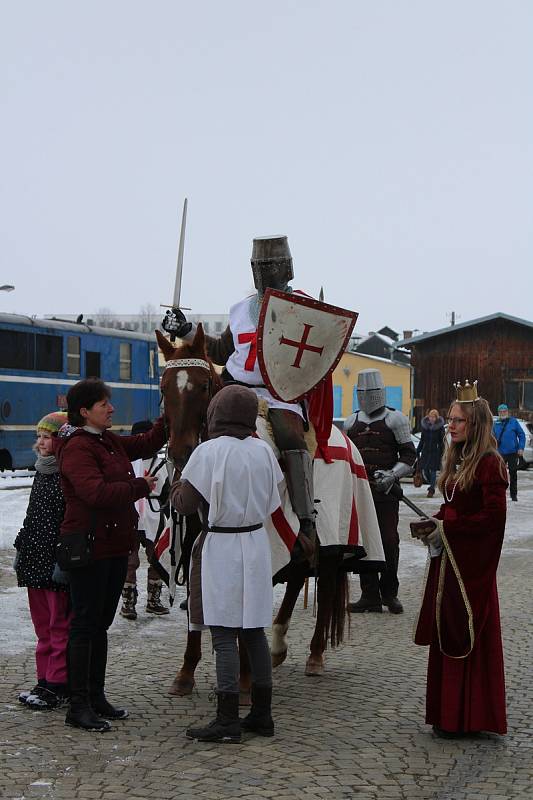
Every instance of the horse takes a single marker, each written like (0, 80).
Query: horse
(188, 383)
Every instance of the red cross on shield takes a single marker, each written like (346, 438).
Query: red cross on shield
(300, 342)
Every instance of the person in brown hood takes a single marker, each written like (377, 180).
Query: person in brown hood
(232, 479)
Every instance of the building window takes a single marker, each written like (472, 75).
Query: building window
(512, 394)
(528, 395)
(218, 327)
(337, 401)
(125, 362)
(48, 353)
(73, 355)
(393, 397)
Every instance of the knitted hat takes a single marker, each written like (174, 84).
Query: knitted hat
(51, 423)
(503, 407)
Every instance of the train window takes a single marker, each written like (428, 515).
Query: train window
(125, 361)
(73, 355)
(48, 353)
(152, 362)
(16, 350)
(92, 364)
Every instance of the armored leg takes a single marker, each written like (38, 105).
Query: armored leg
(288, 433)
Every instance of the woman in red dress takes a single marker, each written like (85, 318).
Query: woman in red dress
(460, 618)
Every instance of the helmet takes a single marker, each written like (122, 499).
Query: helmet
(271, 263)
(370, 390)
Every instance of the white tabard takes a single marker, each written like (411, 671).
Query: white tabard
(242, 363)
(233, 571)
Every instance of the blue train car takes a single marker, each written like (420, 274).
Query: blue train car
(41, 359)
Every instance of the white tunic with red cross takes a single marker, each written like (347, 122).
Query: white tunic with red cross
(242, 363)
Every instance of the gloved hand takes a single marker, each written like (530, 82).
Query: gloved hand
(433, 539)
(60, 576)
(422, 528)
(383, 480)
(175, 322)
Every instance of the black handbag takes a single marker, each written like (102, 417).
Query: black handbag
(75, 550)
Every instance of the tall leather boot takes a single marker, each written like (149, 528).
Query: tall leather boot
(80, 713)
(370, 599)
(259, 720)
(226, 727)
(97, 696)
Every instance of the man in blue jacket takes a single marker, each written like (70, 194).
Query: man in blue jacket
(511, 442)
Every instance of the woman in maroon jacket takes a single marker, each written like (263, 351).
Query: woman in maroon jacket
(100, 490)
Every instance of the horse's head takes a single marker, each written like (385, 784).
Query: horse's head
(188, 384)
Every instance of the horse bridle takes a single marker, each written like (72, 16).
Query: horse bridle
(180, 363)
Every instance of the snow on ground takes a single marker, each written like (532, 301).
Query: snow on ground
(16, 631)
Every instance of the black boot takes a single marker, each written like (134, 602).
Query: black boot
(366, 603)
(80, 713)
(259, 720)
(226, 727)
(97, 696)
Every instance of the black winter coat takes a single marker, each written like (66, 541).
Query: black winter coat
(431, 445)
(36, 540)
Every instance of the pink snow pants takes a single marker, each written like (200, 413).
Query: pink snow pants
(50, 615)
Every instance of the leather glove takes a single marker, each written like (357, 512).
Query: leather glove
(384, 480)
(423, 528)
(175, 322)
(433, 540)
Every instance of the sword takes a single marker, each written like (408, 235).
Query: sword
(179, 265)
(397, 492)
(179, 269)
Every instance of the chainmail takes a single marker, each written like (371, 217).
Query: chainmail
(256, 301)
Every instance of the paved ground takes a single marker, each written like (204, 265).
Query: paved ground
(357, 732)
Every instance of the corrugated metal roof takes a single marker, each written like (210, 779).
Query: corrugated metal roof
(452, 328)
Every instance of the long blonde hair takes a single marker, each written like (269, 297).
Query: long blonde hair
(461, 459)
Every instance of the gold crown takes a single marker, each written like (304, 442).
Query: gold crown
(467, 393)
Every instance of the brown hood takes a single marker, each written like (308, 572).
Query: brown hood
(232, 412)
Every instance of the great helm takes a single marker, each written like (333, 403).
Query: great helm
(271, 263)
(370, 390)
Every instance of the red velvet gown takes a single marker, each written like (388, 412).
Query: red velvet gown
(460, 617)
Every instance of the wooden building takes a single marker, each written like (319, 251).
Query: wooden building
(497, 350)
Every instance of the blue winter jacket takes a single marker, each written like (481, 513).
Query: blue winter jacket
(509, 435)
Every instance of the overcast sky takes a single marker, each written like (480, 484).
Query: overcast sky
(391, 141)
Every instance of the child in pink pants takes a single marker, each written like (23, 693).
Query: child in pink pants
(36, 568)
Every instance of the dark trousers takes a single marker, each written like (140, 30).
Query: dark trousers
(95, 593)
(387, 582)
(512, 465)
(227, 656)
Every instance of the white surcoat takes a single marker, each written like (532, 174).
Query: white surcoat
(242, 363)
(239, 479)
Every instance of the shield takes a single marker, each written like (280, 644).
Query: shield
(299, 342)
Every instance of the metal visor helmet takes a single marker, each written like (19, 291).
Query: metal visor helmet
(370, 390)
(271, 263)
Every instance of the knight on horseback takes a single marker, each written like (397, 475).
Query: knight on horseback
(236, 350)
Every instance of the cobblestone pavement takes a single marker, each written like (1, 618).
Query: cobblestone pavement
(356, 732)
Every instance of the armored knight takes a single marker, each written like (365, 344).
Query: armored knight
(236, 350)
(383, 438)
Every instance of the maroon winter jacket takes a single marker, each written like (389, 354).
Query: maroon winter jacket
(97, 479)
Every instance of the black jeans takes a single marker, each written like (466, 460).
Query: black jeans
(512, 465)
(95, 593)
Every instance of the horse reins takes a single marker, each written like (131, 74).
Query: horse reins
(178, 520)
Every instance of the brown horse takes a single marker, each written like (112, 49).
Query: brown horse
(188, 383)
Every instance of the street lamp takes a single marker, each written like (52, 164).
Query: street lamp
(6, 288)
